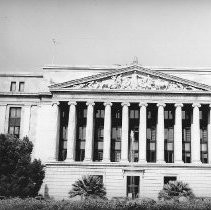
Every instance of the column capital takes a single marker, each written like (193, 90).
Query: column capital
(143, 104)
(90, 103)
(107, 103)
(196, 105)
(209, 105)
(178, 105)
(72, 103)
(125, 104)
(55, 103)
(161, 104)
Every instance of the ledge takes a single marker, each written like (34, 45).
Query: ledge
(127, 166)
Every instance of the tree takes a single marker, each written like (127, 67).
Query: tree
(18, 175)
(174, 190)
(89, 187)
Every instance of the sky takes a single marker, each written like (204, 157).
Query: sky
(161, 33)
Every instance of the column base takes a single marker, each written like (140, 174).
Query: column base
(69, 160)
(179, 162)
(51, 159)
(142, 162)
(160, 162)
(87, 160)
(124, 161)
(197, 162)
(106, 161)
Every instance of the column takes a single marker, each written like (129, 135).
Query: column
(142, 132)
(195, 135)
(26, 121)
(125, 130)
(89, 131)
(107, 133)
(178, 134)
(71, 132)
(209, 135)
(160, 133)
(2, 117)
(54, 131)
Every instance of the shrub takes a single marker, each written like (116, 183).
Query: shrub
(18, 175)
(88, 186)
(175, 190)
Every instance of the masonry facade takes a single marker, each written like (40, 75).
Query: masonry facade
(136, 127)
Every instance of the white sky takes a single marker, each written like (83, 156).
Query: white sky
(163, 33)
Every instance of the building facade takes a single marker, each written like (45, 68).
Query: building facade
(135, 127)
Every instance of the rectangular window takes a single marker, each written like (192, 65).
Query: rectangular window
(169, 145)
(99, 133)
(133, 186)
(14, 121)
(167, 179)
(64, 113)
(21, 86)
(116, 133)
(204, 144)
(13, 86)
(81, 132)
(151, 144)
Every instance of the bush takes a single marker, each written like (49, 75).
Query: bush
(18, 175)
(88, 186)
(175, 190)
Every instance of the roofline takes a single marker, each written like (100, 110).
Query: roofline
(21, 74)
(116, 66)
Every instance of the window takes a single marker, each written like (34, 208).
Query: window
(169, 145)
(13, 86)
(116, 133)
(204, 145)
(99, 133)
(14, 121)
(151, 133)
(81, 132)
(21, 86)
(133, 134)
(64, 110)
(186, 134)
(167, 179)
(132, 186)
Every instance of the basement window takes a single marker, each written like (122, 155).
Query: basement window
(167, 179)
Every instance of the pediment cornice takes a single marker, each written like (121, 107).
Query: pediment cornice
(134, 77)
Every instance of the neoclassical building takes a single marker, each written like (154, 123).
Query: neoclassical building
(135, 127)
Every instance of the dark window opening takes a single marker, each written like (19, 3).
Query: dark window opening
(151, 132)
(169, 134)
(133, 134)
(14, 121)
(167, 179)
(204, 133)
(81, 131)
(132, 186)
(64, 115)
(99, 131)
(116, 132)
(21, 86)
(13, 86)
(186, 133)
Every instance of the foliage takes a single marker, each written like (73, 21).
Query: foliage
(175, 190)
(88, 186)
(18, 175)
(99, 204)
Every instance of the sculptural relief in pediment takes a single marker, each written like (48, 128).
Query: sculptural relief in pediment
(135, 82)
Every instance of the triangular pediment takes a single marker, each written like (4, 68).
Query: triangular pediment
(132, 78)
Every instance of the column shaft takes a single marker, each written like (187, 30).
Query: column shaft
(178, 134)
(26, 121)
(71, 132)
(107, 133)
(160, 134)
(3, 109)
(142, 133)
(195, 135)
(55, 129)
(125, 130)
(89, 132)
(209, 135)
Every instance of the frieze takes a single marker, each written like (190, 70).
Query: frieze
(135, 82)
